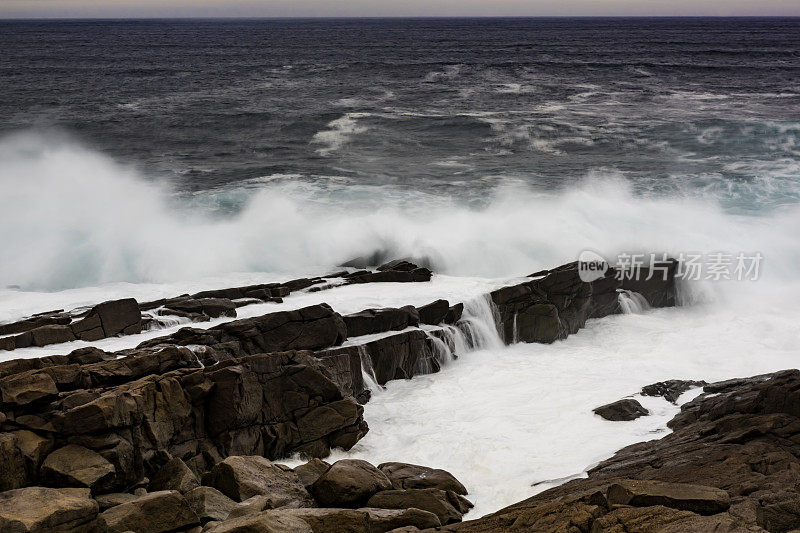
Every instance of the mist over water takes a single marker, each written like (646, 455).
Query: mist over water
(74, 217)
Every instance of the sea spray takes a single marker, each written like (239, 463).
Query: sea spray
(73, 217)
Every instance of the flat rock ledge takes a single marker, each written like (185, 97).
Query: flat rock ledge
(127, 316)
(731, 464)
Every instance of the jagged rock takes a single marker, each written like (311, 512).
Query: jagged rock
(310, 328)
(155, 512)
(266, 522)
(408, 476)
(311, 471)
(76, 466)
(454, 314)
(22, 389)
(391, 275)
(557, 302)
(672, 389)
(434, 312)
(21, 453)
(209, 504)
(13, 473)
(211, 307)
(729, 385)
(241, 478)
(42, 510)
(685, 497)
(107, 501)
(329, 520)
(396, 356)
(33, 447)
(7, 344)
(174, 475)
(251, 506)
(393, 357)
(666, 520)
(568, 515)
(108, 319)
(380, 320)
(366, 520)
(87, 356)
(779, 511)
(348, 483)
(241, 302)
(381, 520)
(399, 265)
(435, 501)
(159, 400)
(605, 295)
(621, 410)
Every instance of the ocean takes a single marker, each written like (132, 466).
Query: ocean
(152, 158)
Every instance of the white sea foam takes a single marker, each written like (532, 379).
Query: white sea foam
(340, 133)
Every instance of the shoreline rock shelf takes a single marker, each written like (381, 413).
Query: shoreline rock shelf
(127, 316)
(92, 430)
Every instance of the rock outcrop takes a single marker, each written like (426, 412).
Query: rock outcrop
(731, 464)
(557, 303)
(310, 328)
(130, 412)
(116, 317)
(127, 316)
(41, 509)
(621, 410)
(187, 426)
(273, 499)
(381, 320)
(672, 389)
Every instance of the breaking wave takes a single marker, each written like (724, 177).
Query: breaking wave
(73, 217)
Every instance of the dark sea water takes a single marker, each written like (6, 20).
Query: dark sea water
(450, 105)
(275, 144)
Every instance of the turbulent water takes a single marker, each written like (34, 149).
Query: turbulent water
(152, 158)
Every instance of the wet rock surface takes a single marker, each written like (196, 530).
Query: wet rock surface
(672, 389)
(115, 317)
(621, 410)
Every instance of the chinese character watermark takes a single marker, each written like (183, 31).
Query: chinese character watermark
(713, 266)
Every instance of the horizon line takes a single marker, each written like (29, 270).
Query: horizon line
(401, 17)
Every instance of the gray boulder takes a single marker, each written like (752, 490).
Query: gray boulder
(156, 512)
(408, 476)
(348, 483)
(622, 410)
(76, 466)
(174, 475)
(242, 477)
(41, 510)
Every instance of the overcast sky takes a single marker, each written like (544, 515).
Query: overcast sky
(377, 8)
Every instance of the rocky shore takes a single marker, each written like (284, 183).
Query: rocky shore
(186, 431)
(731, 464)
